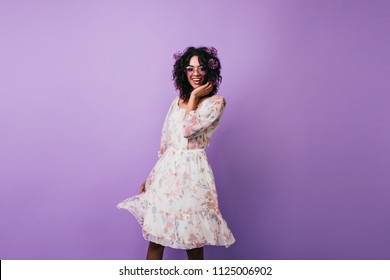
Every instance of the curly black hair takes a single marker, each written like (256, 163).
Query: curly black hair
(212, 75)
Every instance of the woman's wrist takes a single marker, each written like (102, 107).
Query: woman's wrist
(194, 95)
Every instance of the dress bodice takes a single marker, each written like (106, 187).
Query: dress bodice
(194, 130)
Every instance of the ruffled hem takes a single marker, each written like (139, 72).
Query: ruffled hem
(169, 243)
(179, 231)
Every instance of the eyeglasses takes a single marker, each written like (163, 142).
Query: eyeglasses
(191, 69)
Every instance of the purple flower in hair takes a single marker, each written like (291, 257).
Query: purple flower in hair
(177, 55)
(213, 64)
(213, 51)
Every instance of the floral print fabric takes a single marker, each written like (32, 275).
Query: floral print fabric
(179, 208)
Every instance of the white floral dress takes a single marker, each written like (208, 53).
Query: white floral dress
(179, 208)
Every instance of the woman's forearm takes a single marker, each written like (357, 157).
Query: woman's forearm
(192, 104)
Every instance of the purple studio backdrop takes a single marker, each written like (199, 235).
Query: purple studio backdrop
(301, 157)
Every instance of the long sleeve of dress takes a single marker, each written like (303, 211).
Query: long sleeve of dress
(164, 132)
(204, 117)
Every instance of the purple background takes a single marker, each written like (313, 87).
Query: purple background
(301, 158)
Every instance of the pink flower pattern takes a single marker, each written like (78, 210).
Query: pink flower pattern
(179, 208)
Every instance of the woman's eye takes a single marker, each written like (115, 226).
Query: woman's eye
(190, 69)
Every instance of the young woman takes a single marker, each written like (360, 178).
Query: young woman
(178, 204)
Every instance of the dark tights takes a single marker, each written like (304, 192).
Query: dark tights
(156, 251)
(195, 254)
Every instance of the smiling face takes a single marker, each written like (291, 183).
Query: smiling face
(195, 72)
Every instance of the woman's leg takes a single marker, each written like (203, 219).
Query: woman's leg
(195, 254)
(155, 251)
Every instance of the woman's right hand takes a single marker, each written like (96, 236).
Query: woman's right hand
(142, 189)
(202, 90)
